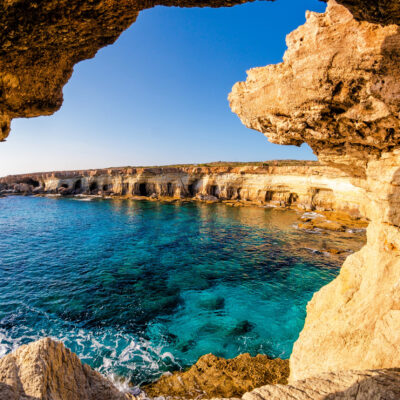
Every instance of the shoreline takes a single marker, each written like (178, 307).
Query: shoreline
(312, 219)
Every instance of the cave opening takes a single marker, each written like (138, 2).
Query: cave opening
(213, 190)
(93, 186)
(169, 189)
(142, 189)
(77, 185)
(64, 185)
(32, 182)
(192, 188)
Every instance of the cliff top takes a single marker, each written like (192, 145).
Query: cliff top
(212, 165)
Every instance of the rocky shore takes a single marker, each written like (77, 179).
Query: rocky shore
(338, 89)
(306, 185)
(47, 370)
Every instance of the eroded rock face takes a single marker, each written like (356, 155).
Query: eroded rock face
(305, 185)
(46, 370)
(338, 90)
(41, 41)
(346, 385)
(383, 12)
(214, 377)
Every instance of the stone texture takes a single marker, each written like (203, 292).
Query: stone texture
(46, 370)
(41, 41)
(383, 12)
(213, 376)
(346, 385)
(354, 322)
(338, 90)
(305, 185)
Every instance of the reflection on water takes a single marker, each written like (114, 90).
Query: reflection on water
(137, 288)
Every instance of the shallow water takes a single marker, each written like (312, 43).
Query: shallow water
(137, 288)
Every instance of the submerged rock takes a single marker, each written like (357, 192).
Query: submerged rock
(214, 376)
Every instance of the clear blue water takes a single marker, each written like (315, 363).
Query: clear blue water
(136, 288)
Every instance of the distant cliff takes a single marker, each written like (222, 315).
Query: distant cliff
(304, 184)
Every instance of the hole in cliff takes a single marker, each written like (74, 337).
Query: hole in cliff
(31, 181)
(64, 185)
(142, 189)
(78, 185)
(292, 198)
(93, 186)
(268, 195)
(169, 189)
(230, 192)
(192, 188)
(106, 188)
(213, 190)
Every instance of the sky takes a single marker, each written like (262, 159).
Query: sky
(158, 96)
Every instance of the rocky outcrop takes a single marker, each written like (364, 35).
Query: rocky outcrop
(46, 370)
(383, 12)
(338, 90)
(40, 42)
(214, 377)
(346, 385)
(305, 185)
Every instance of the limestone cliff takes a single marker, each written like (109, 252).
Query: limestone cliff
(338, 90)
(306, 185)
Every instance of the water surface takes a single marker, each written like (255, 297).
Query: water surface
(137, 288)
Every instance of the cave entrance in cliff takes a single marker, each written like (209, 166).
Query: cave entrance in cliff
(169, 189)
(93, 186)
(213, 190)
(192, 188)
(32, 182)
(142, 189)
(78, 185)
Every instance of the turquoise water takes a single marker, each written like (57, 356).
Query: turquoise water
(137, 288)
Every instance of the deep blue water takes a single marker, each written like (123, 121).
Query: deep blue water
(136, 288)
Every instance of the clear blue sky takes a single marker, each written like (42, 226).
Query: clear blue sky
(159, 94)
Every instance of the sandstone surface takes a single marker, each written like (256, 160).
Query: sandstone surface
(345, 385)
(46, 370)
(338, 90)
(213, 376)
(41, 41)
